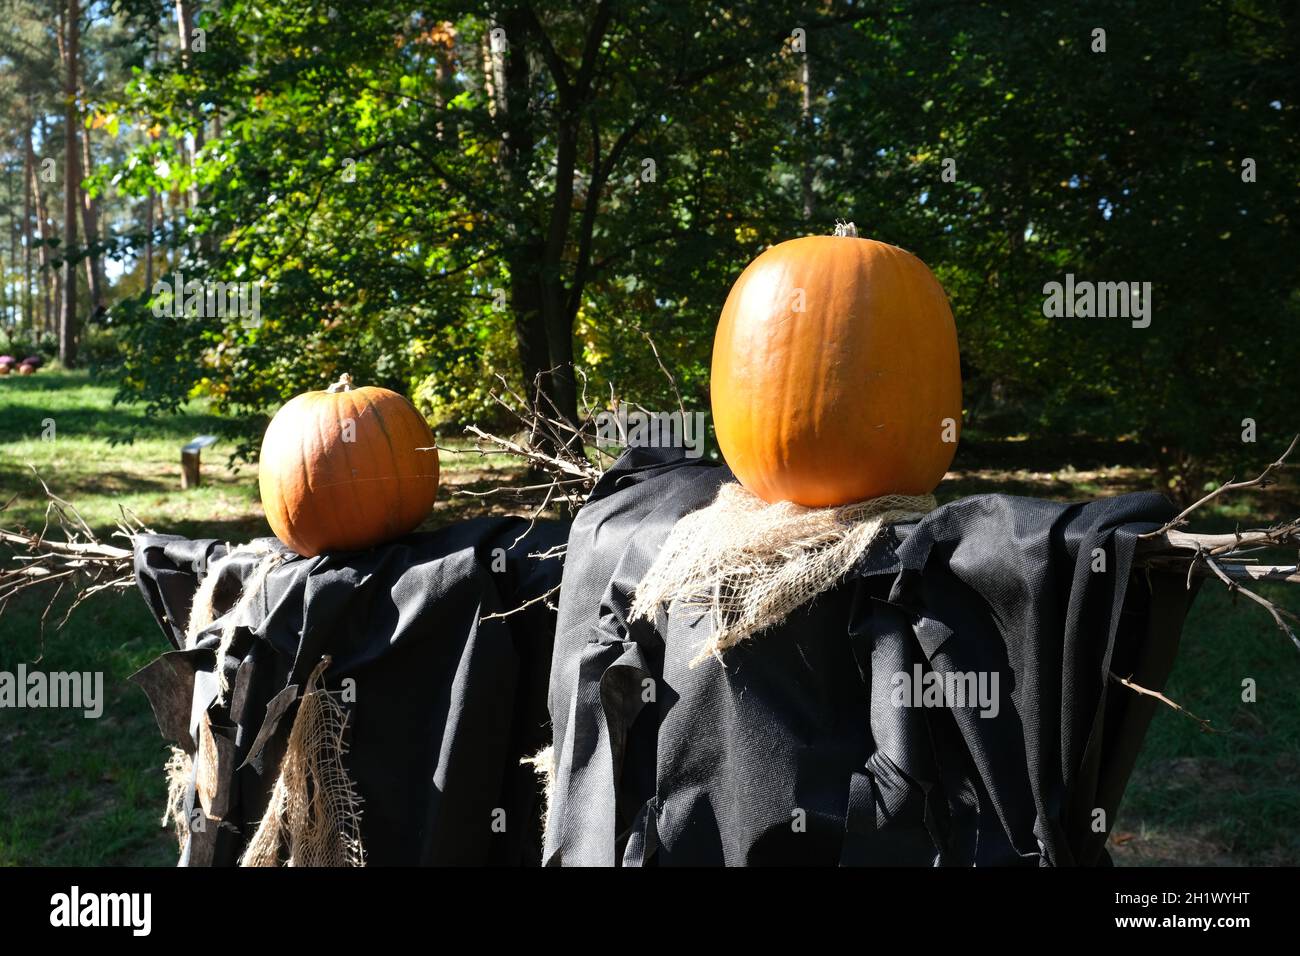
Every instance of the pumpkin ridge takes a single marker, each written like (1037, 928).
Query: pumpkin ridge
(268, 484)
(327, 407)
(349, 402)
(360, 481)
(781, 344)
(290, 518)
(819, 416)
(397, 516)
(304, 456)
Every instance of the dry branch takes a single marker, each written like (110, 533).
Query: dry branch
(1226, 557)
(566, 456)
(570, 459)
(80, 559)
(1262, 481)
(540, 599)
(1139, 689)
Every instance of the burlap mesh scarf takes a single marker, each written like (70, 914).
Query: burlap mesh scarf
(314, 814)
(749, 564)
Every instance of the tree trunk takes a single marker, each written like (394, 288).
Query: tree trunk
(176, 200)
(442, 73)
(43, 250)
(507, 77)
(15, 244)
(71, 191)
(90, 219)
(29, 316)
(148, 241)
(185, 30)
(547, 306)
(805, 81)
(530, 331)
(557, 320)
(5, 284)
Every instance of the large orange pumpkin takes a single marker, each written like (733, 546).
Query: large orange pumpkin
(835, 373)
(346, 469)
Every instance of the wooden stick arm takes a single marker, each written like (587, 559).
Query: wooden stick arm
(1283, 573)
(1183, 551)
(1173, 541)
(87, 548)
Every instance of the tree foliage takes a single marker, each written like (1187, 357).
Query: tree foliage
(431, 193)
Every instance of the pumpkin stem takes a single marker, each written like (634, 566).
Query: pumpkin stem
(344, 384)
(846, 229)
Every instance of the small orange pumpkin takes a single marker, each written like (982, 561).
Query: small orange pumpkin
(4, 369)
(835, 373)
(346, 469)
(26, 369)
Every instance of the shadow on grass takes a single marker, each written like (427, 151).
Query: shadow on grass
(964, 486)
(17, 477)
(114, 426)
(30, 400)
(1048, 452)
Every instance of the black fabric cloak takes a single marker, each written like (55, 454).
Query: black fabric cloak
(446, 701)
(794, 752)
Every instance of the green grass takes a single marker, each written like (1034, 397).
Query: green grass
(102, 457)
(79, 791)
(76, 790)
(1231, 796)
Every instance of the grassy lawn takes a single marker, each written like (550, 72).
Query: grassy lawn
(1231, 797)
(77, 791)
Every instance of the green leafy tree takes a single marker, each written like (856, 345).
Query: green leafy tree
(430, 193)
(1128, 164)
(411, 183)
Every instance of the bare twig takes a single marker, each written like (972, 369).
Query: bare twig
(1138, 688)
(672, 382)
(569, 455)
(1262, 481)
(532, 454)
(1283, 535)
(519, 490)
(1283, 573)
(1279, 614)
(1225, 556)
(81, 559)
(548, 443)
(540, 599)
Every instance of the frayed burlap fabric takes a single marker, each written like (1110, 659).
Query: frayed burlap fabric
(543, 764)
(314, 815)
(179, 768)
(203, 612)
(749, 564)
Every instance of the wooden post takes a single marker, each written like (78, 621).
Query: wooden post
(190, 460)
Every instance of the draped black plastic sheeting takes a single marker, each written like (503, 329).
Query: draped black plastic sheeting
(446, 699)
(791, 751)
